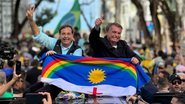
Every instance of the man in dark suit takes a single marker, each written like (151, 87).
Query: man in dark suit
(111, 45)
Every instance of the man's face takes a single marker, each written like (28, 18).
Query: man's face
(26, 61)
(177, 85)
(20, 83)
(182, 76)
(114, 34)
(66, 36)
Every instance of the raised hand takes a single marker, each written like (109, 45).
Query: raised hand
(98, 22)
(33, 25)
(29, 12)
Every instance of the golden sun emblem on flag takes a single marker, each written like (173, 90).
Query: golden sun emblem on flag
(96, 76)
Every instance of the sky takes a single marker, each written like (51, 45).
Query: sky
(63, 6)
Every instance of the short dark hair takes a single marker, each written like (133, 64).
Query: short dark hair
(66, 25)
(113, 24)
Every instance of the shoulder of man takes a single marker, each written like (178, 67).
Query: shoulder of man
(123, 42)
(73, 48)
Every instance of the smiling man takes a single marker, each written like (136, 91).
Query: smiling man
(111, 45)
(63, 45)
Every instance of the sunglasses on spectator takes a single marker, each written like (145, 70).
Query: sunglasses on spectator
(176, 82)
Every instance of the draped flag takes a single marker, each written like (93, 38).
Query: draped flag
(96, 76)
(72, 17)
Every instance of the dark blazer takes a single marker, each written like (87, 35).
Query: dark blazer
(102, 47)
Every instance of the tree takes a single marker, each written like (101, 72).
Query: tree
(18, 26)
(157, 27)
(167, 9)
(83, 15)
(147, 36)
(44, 17)
(118, 10)
(171, 18)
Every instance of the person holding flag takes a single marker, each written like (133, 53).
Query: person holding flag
(94, 76)
(111, 45)
(63, 45)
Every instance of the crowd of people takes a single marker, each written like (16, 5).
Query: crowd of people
(167, 72)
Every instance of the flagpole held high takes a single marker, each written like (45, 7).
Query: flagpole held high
(72, 17)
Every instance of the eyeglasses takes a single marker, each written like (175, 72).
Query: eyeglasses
(176, 82)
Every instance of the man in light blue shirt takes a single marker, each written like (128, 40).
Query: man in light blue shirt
(63, 45)
(65, 36)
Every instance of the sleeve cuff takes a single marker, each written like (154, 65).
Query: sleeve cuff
(40, 33)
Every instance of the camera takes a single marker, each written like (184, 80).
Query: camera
(6, 51)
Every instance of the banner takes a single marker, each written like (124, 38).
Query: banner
(96, 76)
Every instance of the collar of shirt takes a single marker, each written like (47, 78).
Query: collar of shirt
(66, 49)
(115, 46)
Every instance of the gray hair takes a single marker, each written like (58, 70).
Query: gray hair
(2, 77)
(112, 24)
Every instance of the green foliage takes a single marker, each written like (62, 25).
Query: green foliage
(172, 4)
(45, 16)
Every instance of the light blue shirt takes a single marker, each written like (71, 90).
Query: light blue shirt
(81, 43)
(49, 42)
